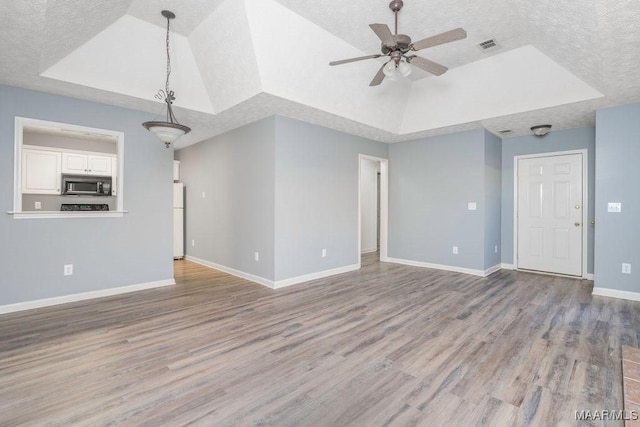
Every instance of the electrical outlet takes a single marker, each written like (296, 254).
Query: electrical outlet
(38, 205)
(472, 206)
(614, 207)
(495, 249)
(256, 256)
(626, 268)
(324, 253)
(68, 269)
(455, 250)
(193, 242)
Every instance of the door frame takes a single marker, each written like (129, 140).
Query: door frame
(585, 202)
(384, 206)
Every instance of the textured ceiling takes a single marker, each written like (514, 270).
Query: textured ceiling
(254, 58)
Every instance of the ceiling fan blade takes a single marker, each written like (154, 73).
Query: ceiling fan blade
(379, 77)
(446, 37)
(425, 64)
(384, 33)
(360, 58)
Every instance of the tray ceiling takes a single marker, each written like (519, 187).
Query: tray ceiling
(235, 61)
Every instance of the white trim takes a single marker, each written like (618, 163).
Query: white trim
(232, 271)
(585, 201)
(507, 266)
(313, 276)
(21, 122)
(270, 283)
(614, 293)
(589, 276)
(481, 273)
(489, 271)
(28, 305)
(67, 214)
(368, 251)
(384, 207)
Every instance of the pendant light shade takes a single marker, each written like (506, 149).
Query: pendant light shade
(166, 132)
(170, 130)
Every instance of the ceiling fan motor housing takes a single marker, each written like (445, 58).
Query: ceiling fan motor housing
(402, 43)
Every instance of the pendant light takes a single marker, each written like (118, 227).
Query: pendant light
(170, 130)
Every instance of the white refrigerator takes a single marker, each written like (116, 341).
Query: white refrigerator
(178, 220)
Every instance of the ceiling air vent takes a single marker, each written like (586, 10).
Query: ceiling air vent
(505, 132)
(489, 45)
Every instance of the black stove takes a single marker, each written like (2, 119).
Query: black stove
(84, 207)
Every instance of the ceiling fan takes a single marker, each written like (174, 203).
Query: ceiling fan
(398, 46)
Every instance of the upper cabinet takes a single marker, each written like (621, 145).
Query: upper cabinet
(42, 169)
(87, 164)
(41, 172)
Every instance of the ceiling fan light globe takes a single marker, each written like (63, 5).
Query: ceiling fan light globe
(389, 69)
(404, 69)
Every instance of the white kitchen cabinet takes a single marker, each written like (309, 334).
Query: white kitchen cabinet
(86, 164)
(41, 172)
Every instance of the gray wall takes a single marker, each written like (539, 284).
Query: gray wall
(573, 139)
(492, 199)
(106, 252)
(316, 201)
(431, 182)
(618, 180)
(236, 218)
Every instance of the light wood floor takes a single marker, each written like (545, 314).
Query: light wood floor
(387, 345)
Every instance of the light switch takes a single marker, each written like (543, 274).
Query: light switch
(615, 207)
(471, 206)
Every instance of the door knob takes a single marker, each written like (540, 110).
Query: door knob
(577, 224)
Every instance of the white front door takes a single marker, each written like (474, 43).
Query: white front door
(549, 209)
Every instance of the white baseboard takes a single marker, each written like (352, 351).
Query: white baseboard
(507, 266)
(270, 283)
(614, 293)
(232, 271)
(46, 302)
(314, 276)
(588, 276)
(368, 251)
(492, 270)
(473, 272)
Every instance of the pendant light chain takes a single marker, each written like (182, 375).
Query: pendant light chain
(168, 58)
(169, 93)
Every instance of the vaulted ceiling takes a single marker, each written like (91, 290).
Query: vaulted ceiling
(236, 61)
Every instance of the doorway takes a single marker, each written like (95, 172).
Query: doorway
(373, 181)
(550, 213)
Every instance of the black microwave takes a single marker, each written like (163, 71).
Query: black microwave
(86, 185)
